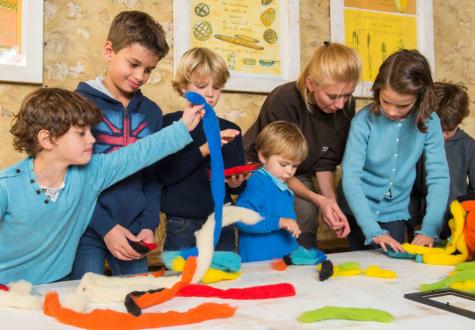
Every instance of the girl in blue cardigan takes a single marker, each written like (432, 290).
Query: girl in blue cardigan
(379, 165)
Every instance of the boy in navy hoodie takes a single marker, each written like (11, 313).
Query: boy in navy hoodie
(129, 210)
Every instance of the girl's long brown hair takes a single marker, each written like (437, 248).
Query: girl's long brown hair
(407, 72)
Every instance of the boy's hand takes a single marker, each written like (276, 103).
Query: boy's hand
(227, 136)
(235, 181)
(423, 240)
(387, 240)
(192, 115)
(291, 226)
(146, 235)
(116, 242)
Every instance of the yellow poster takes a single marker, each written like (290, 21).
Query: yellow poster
(10, 25)
(246, 33)
(376, 34)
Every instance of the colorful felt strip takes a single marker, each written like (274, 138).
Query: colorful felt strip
(257, 292)
(110, 319)
(213, 135)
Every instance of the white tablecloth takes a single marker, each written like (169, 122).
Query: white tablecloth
(355, 291)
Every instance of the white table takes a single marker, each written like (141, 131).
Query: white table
(355, 291)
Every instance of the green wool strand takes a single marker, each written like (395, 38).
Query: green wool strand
(345, 313)
(466, 275)
(349, 265)
(465, 266)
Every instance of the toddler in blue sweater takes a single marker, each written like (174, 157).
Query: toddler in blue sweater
(280, 147)
(47, 199)
(385, 142)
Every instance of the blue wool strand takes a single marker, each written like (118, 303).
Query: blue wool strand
(213, 135)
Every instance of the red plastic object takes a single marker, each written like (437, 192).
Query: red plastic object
(150, 246)
(241, 169)
(4, 287)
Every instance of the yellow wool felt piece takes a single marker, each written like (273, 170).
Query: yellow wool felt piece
(376, 271)
(211, 276)
(463, 285)
(446, 256)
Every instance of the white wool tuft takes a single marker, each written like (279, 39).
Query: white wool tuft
(20, 296)
(76, 302)
(21, 286)
(204, 236)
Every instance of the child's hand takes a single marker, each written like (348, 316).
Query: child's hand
(387, 240)
(145, 235)
(227, 136)
(116, 242)
(235, 181)
(423, 240)
(192, 115)
(290, 225)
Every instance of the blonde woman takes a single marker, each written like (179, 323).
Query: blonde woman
(320, 103)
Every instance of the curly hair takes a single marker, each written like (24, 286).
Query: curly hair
(53, 109)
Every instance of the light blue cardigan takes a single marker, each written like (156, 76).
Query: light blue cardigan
(379, 168)
(38, 238)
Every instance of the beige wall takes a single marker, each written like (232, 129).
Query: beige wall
(75, 31)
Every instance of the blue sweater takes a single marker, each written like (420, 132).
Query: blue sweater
(133, 202)
(39, 238)
(272, 199)
(186, 189)
(379, 168)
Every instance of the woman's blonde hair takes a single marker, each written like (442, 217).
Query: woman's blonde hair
(282, 138)
(203, 63)
(331, 63)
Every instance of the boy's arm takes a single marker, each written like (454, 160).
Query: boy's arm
(107, 169)
(152, 191)
(254, 198)
(352, 172)
(437, 179)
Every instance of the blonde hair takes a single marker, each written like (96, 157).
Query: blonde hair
(282, 138)
(200, 63)
(331, 63)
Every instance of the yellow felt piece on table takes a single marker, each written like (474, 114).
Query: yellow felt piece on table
(211, 276)
(215, 275)
(463, 285)
(177, 264)
(347, 269)
(376, 271)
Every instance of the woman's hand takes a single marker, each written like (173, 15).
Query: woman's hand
(333, 217)
(423, 240)
(235, 181)
(386, 240)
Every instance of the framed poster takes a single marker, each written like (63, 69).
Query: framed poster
(258, 39)
(376, 29)
(21, 41)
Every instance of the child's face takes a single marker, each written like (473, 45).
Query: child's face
(394, 105)
(331, 97)
(208, 89)
(128, 69)
(449, 133)
(74, 147)
(280, 167)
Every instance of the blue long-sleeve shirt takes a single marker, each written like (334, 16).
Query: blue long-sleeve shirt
(38, 238)
(272, 199)
(379, 168)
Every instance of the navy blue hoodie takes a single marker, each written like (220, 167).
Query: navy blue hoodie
(133, 202)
